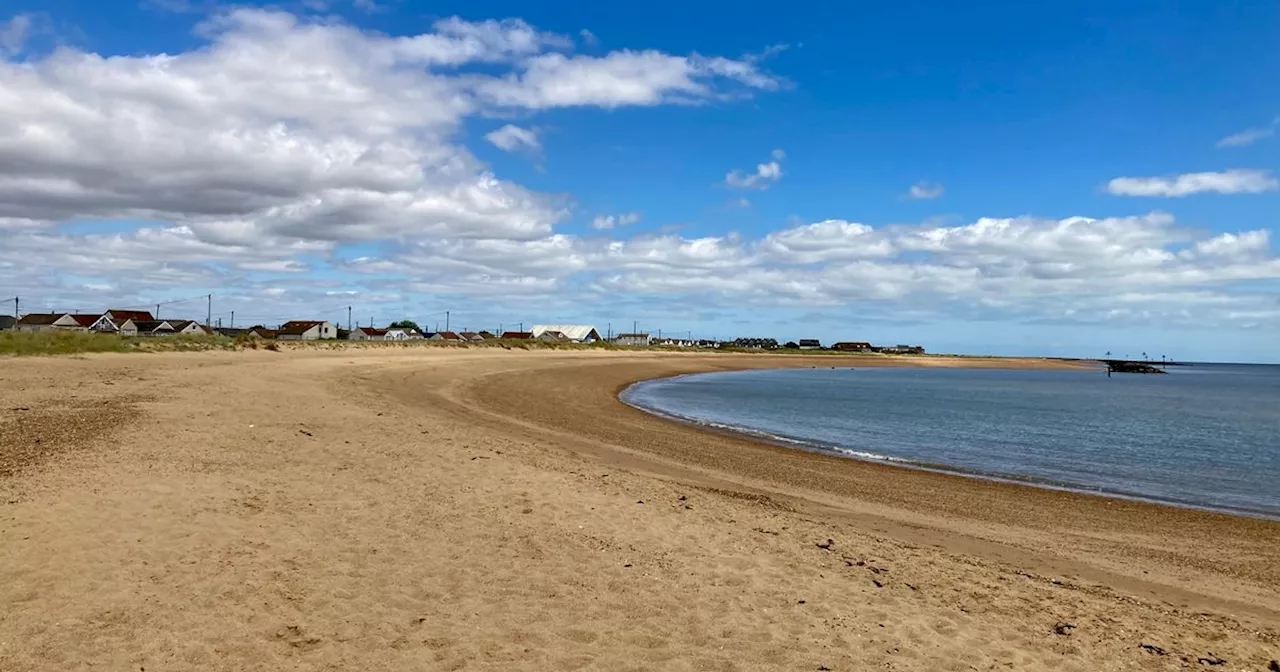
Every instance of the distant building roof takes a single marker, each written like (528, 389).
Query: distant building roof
(40, 319)
(298, 327)
(449, 335)
(7, 322)
(86, 320)
(572, 332)
(149, 326)
(486, 334)
(517, 334)
(117, 315)
(229, 332)
(371, 331)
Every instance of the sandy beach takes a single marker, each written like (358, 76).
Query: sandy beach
(398, 508)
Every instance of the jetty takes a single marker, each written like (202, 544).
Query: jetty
(1128, 366)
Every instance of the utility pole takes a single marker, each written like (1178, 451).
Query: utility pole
(348, 318)
(15, 308)
(208, 313)
(233, 319)
(610, 330)
(446, 320)
(635, 326)
(157, 311)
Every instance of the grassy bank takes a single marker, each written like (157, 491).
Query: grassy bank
(22, 343)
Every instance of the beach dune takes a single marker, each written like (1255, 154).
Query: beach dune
(441, 508)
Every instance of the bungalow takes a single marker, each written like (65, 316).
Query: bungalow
(756, 343)
(73, 322)
(810, 344)
(307, 330)
(7, 322)
(229, 332)
(852, 346)
(901, 349)
(187, 327)
(551, 336)
(261, 332)
(146, 328)
(637, 339)
(517, 335)
(445, 336)
(367, 334)
(403, 334)
(486, 335)
(577, 333)
(471, 337)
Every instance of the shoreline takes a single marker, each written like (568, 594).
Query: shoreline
(790, 443)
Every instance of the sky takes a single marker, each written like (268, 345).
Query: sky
(997, 178)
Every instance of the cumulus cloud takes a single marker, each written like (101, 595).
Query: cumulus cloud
(925, 190)
(765, 175)
(606, 222)
(1238, 181)
(1249, 135)
(512, 138)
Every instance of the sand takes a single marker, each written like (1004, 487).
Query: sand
(433, 508)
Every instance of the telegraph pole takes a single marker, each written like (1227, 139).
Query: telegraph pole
(157, 316)
(233, 319)
(348, 318)
(446, 320)
(15, 308)
(208, 314)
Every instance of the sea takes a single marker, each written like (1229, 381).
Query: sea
(1204, 436)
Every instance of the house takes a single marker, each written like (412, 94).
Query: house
(445, 336)
(307, 330)
(403, 334)
(577, 333)
(261, 332)
(552, 336)
(471, 337)
(69, 321)
(674, 342)
(901, 349)
(7, 322)
(518, 335)
(637, 339)
(120, 316)
(188, 327)
(708, 343)
(756, 343)
(486, 335)
(810, 344)
(229, 332)
(852, 346)
(367, 334)
(146, 328)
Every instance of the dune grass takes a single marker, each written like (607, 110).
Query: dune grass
(65, 342)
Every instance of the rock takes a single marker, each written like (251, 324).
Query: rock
(1152, 648)
(639, 501)
(1211, 659)
(823, 668)
(800, 602)
(1274, 666)
(1064, 627)
(827, 546)
(683, 498)
(878, 584)
(303, 431)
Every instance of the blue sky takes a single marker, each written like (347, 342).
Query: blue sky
(1001, 178)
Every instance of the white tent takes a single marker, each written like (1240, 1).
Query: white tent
(578, 333)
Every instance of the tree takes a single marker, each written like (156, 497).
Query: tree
(405, 324)
(1144, 357)
(792, 345)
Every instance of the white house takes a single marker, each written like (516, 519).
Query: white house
(577, 333)
(188, 327)
(640, 339)
(403, 334)
(367, 334)
(68, 321)
(133, 327)
(307, 330)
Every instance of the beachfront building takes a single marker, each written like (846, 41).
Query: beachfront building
(120, 316)
(574, 333)
(187, 327)
(810, 344)
(65, 321)
(517, 335)
(367, 334)
(471, 337)
(307, 330)
(403, 334)
(146, 328)
(901, 349)
(852, 346)
(636, 339)
(445, 336)
(7, 322)
(756, 343)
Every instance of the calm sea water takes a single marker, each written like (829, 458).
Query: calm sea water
(1205, 435)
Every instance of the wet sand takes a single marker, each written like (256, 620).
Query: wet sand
(388, 508)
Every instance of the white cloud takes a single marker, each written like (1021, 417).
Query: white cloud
(925, 190)
(14, 34)
(1238, 181)
(589, 38)
(606, 222)
(1249, 135)
(511, 138)
(764, 176)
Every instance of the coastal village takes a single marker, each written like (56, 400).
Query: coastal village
(144, 324)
